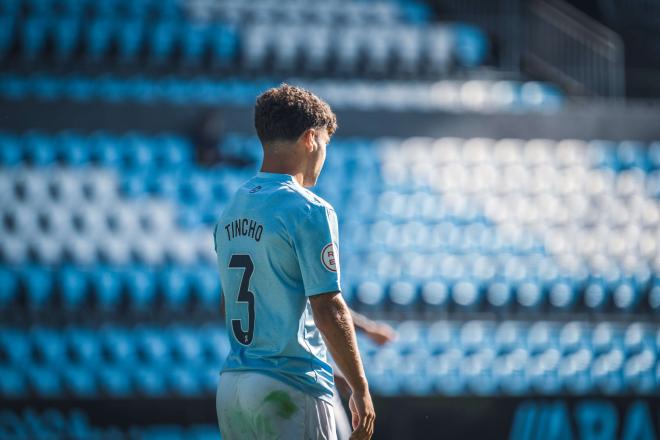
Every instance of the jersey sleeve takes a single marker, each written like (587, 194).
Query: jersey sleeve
(316, 243)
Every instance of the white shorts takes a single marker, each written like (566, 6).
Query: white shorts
(251, 405)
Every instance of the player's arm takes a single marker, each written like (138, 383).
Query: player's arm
(379, 332)
(333, 319)
(315, 240)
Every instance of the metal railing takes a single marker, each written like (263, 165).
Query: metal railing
(500, 18)
(568, 47)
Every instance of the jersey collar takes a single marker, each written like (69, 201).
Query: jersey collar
(277, 177)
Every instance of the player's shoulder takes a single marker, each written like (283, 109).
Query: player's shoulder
(305, 200)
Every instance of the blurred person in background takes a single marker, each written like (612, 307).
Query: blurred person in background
(277, 249)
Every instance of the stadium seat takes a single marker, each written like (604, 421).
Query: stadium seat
(82, 347)
(106, 288)
(98, 39)
(149, 381)
(114, 382)
(44, 381)
(13, 384)
(47, 347)
(79, 382)
(130, 35)
(183, 382)
(9, 291)
(15, 348)
(141, 288)
(38, 285)
(117, 347)
(66, 37)
(162, 42)
(174, 286)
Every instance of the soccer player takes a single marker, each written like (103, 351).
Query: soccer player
(277, 250)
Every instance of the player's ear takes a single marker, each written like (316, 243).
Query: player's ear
(308, 139)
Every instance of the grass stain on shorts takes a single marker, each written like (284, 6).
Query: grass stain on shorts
(284, 406)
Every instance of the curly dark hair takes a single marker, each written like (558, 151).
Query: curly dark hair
(284, 113)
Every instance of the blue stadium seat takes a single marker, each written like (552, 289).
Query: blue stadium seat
(499, 295)
(162, 42)
(173, 151)
(529, 295)
(562, 296)
(215, 345)
(44, 381)
(653, 155)
(194, 38)
(117, 347)
(11, 153)
(441, 336)
(183, 382)
(7, 26)
(175, 287)
(370, 293)
(33, 38)
(66, 36)
(410, 336)
(9, 7)
(446, 373)
(149, 381)
(38, 148)
(40, 7)
(625, 297)
(107, 288)
(9, 290)
(153, 346)
(224, 45)
(80, 381)
(83, 347)
(631, 154)
(471, 45)
(412, 375)
(639, 374)
(141, 288)
(72, 149)
(654, 297)
(105, 150)
(186, 346)
(206, 288)
(465, 295)
(15, 348)
(208, 380)
(595, 296)
(98, 39)
(13, 383)
(403, 294)
(38, 284)
(114, 382)
(137, 183)
(106, 8)
(130, 36)
(47, 347)
(72, 8)
(435, 294)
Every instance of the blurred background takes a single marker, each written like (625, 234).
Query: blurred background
(496, 175)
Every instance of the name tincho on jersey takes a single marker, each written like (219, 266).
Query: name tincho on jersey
(244, 227)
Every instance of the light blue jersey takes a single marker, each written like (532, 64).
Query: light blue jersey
(277, 244)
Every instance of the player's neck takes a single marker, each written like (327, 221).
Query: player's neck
(279, 166)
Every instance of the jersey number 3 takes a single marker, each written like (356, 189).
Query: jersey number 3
(244, 262)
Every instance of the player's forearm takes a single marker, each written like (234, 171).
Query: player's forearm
(336, 326)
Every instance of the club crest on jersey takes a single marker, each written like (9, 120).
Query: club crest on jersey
(328, 257)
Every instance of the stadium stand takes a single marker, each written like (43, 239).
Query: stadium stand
(509, 267)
